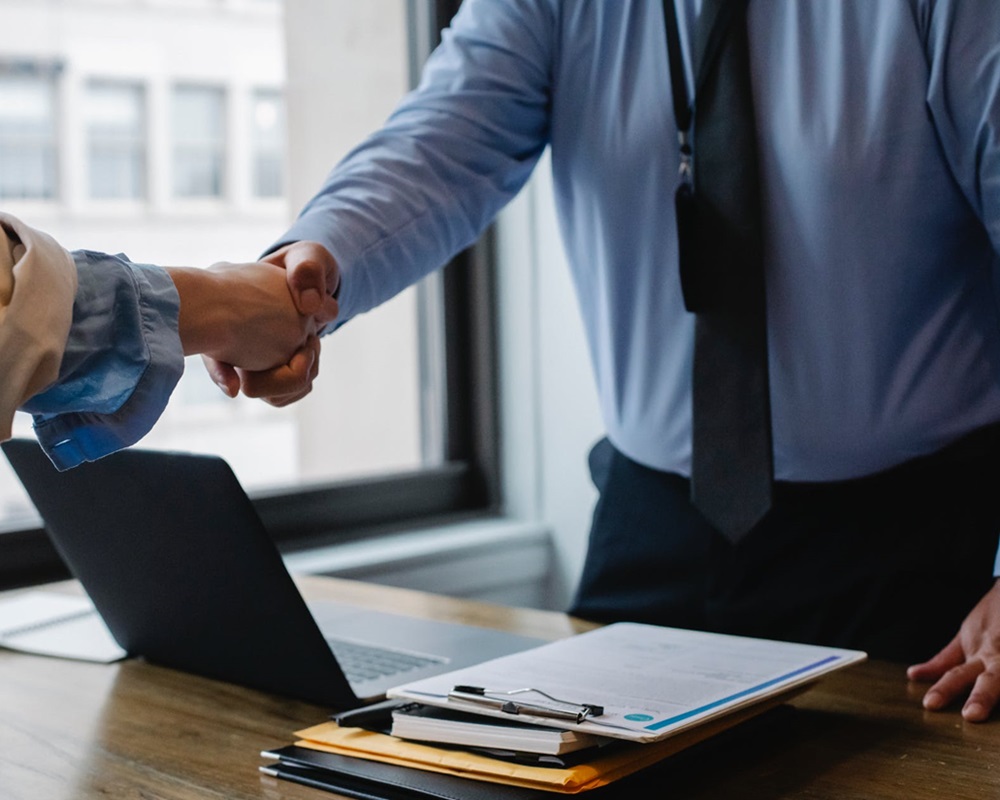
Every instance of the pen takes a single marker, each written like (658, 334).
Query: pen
(377, 717)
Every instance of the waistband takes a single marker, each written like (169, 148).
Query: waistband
(973, 458)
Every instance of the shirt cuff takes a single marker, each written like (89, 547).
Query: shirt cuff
(123, 359)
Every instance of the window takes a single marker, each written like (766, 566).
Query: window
(198, 118)
(116, 140)
(267, 124)
(401, 425)
(27, 134)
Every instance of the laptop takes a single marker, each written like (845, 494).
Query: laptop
(177, 562)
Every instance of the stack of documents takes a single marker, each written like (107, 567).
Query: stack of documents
(649, 690)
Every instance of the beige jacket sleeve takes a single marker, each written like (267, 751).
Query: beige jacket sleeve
(37, 288)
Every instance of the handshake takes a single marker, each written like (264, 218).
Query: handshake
(257, 325)
(67, 319)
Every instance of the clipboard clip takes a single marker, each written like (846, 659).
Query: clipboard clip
(500, 700)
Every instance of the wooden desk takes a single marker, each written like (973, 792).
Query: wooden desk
(133, 730)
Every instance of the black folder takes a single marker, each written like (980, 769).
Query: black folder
(373, 780)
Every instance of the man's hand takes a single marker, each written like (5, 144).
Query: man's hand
(970, 661)
(312, 276)
(240, 314)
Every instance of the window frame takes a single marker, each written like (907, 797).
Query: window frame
(465, 485)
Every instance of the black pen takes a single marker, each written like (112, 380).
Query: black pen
(376, 717)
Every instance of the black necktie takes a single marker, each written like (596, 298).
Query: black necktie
(723, 279)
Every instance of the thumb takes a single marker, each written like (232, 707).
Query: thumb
(312, 274)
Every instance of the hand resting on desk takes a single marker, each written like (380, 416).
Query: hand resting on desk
(971, 661)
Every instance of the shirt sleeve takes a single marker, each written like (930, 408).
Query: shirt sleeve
(452, 154)
(963, 50)
(122, 361)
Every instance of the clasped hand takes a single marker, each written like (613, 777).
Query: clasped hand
(285, 304)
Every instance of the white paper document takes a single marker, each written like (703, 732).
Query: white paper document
(652, 682)
(67, 626)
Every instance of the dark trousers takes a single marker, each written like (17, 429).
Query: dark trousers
(890, 564)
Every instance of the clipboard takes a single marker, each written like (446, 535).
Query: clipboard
(630, 681)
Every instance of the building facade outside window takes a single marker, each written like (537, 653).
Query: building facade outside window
(28, 151)
(116, 140)
(198, 122)
(267, 124)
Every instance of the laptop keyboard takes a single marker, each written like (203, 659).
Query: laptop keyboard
(362, 662)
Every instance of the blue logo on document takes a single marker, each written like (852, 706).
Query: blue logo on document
(638, 717)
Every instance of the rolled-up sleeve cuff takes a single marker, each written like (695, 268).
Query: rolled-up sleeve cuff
(72, 438)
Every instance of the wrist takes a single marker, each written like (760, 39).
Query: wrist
(204, 322)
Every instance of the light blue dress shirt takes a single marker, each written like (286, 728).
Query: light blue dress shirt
(122, 361)
(879, 134)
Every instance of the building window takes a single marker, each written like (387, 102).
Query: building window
(27, 136)
(116, 140)
(198, 119)
(268, 142)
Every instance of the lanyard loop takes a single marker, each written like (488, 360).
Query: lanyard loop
(713, 25)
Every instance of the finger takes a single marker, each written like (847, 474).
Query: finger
(287, 400)
(954, 683)
(224, 376)
(328, 311)
(287, 379)
(950, 656)
(313, 343)
(280, 401)
(984, 696)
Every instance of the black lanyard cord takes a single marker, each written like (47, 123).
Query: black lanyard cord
(711, 33)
